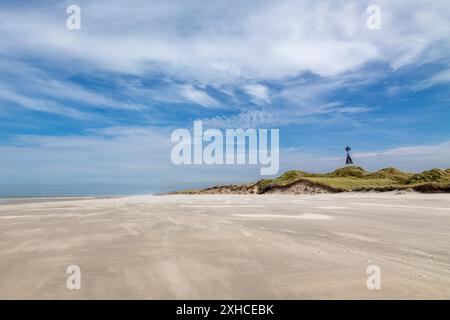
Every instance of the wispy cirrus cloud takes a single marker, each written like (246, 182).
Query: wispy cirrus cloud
(282, 116)
(41, 105)
(189, 43)
(441, 77)
(441, 150)
(220, 46)
(198, 96)
(51, 90)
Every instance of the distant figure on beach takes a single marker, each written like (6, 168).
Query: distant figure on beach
(349, 160)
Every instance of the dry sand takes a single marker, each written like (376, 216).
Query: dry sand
(233, 246)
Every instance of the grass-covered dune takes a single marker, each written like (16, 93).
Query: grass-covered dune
(350, 178)
(353, 178)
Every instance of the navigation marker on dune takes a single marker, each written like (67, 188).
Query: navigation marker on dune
(349, 160)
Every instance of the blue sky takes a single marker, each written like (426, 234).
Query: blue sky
(91, 111)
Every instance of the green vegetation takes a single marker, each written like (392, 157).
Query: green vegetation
(433, 175)
(286, 178)
(350, 178)
(353, 183)
(392, 174)
(351, 171)
(354, 178)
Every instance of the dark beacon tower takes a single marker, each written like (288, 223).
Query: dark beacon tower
(349, 160)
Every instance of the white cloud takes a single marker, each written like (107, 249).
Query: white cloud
(31, 79)
(225, 47)
(258, 92)
(354, 109)
(438, 78)
(422, 150)
(217, 42)
(198, 96)
(41, 105)
(283, 116)
(64, 90)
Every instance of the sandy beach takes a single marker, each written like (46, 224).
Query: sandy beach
(228, 247)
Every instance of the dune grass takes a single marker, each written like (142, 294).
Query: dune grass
(353, 183)
(349, 178)
(356, 178)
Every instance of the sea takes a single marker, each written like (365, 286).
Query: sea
(29, 199)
